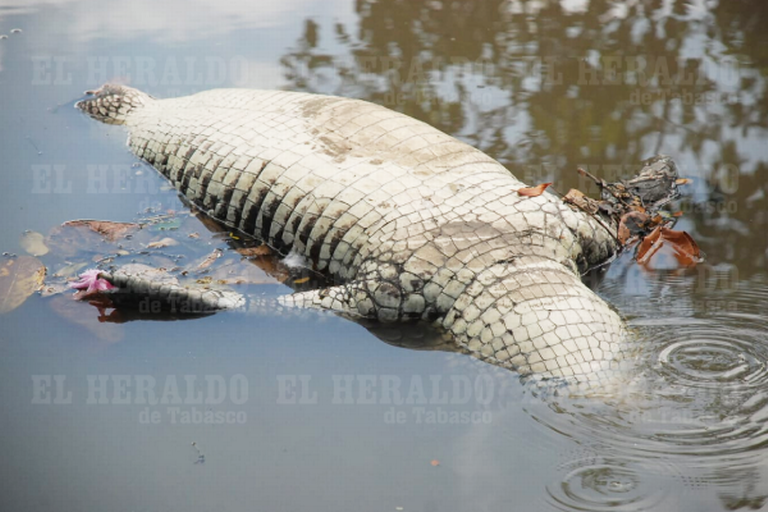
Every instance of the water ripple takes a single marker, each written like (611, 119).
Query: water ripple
(707, 390)
(701, 390)
(707, 362)
(598, 484)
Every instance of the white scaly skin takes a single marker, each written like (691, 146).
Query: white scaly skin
(405, 221)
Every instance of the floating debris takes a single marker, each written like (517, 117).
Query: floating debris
(112, 231)
(165, 242)
(254, 252)
(209, 260)
(682, 245)
(533, 191)
(19, 279)
(34, 243)
(200, 455)
(28, 139)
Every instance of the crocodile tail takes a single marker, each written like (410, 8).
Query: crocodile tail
(113, 103)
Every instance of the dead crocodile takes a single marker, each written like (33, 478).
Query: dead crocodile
(406, 222)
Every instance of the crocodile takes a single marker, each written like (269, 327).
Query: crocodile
(405, 222)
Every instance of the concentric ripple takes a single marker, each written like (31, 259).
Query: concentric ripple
(701, 390)
(710, 383)
(601, 484)
(701, 360)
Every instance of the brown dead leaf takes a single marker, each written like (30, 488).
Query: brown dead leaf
(573, 194)
(681, 244)
(632, 224)
(112, 231)
(646, 248)
(683, 181)
(623, 234)
(251, 252)
(533, 191)
(301, 280)
(19, 278)
(435, 463)
(577, 198)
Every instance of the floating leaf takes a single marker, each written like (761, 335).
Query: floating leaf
(533, 191)
(683, 181)
(112, 231)
(435, 463)
(19, 278)
(34, 243)
(165, 242)
(683, 247)
(77, 242)
(209, 260)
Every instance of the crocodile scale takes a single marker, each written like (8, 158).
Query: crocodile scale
(405, 221)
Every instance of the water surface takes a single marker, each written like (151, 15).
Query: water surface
(317, 413)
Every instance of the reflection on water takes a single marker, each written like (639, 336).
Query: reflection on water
(546, 88)
(543, 86)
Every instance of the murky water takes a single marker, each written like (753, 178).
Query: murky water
(317, 412)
